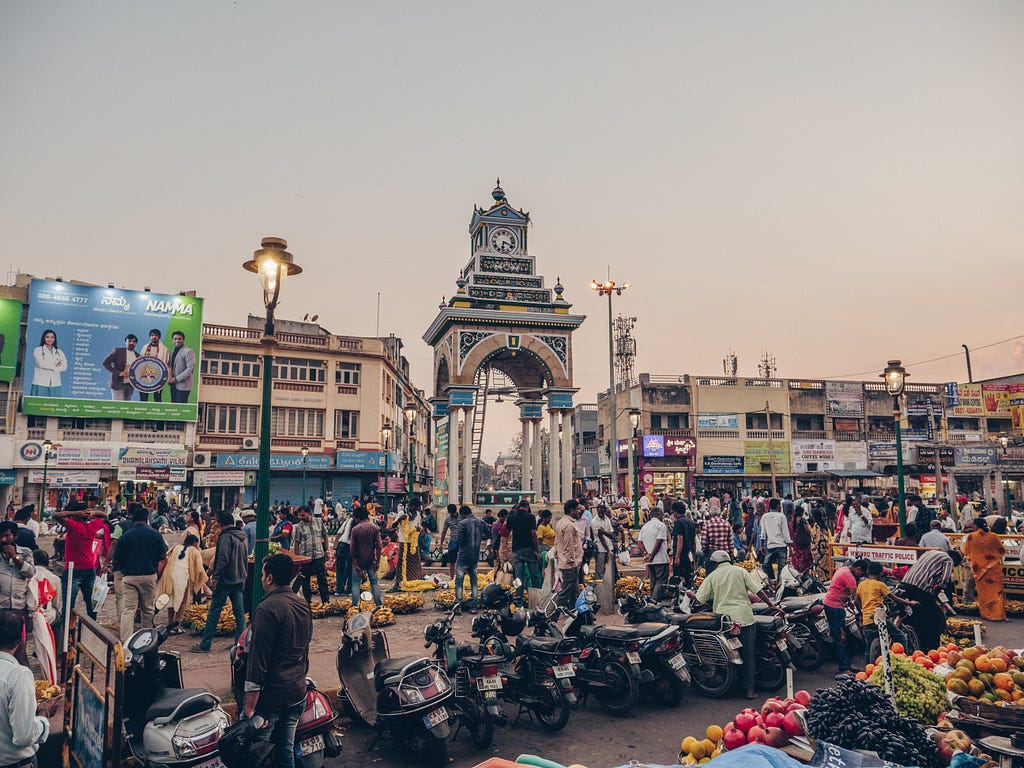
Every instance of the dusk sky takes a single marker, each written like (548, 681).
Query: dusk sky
(838, 183)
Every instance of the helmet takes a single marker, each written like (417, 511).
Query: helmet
(512, 624)
(492, 596)
(238, 746)
(480, 625)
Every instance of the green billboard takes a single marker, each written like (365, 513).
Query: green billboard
(10, 329)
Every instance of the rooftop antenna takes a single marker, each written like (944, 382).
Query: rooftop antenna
(625, 350)
(730, 364)
(766, 368)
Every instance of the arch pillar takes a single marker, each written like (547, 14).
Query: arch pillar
(524, 456)
(568, 451)
(453, 454)
(467, 457)
(537, 472)
(554, 456)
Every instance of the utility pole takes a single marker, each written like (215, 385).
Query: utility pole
(771, 447)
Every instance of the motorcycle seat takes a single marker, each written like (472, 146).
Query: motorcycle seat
(390, 667)
(546, 644)
(801, 602)
(622, 634)
(672, 617)
(761, 609)
(470, 649)
(704, 621)
(191, 700)
(765, 622)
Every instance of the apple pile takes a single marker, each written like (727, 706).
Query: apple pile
(951, 740)
(773, 724)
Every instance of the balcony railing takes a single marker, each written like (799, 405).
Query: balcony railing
(313, 443)
(808, 434)
(96, 435)
(673, 432)
(163, 438)
(848, 437)
(298, 386)
(719, 434)
(881, 435)
(209, 380)
(36, 433)
(763, 434)
(345, 389)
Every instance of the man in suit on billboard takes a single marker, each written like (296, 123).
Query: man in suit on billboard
(181, 366)
(118, 362)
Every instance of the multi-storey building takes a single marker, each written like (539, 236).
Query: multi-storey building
(703, 433)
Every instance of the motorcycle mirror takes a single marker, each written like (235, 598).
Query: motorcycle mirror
(365, 595)
(162, 602)
(517, 583)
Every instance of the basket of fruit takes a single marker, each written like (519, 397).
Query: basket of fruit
(48, 698)
(989, 685)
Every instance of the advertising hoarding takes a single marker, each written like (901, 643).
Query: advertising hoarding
(975, 457)
(821, 453)
(230, 478)
(851, 456)
(718, 421)
(996, 399)
(968, 401)
(10, 332)
(78, 364)
(756, 454)
(314, 461)
(654, 445)
(723, 465)
(844, 398)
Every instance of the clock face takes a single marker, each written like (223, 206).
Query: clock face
(504, 240)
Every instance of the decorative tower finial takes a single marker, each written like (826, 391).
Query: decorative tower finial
(559, 289)
(444, 302)
(461, 283)
(498, 193)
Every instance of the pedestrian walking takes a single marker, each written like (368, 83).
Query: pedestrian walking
(365, 543)
(140, 555)
(469, 533)
(684, 538)
(275, 678)
(183, 577)
(86, 544)
(525, 547)
(653, 542)
(310, 537)
(230, 566)
(342, 554)
(568, 553)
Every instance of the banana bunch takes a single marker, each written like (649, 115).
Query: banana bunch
(631, 585)
(332, 582)
(444, 599)
(341, 607)
(750, 564)
(46, 690)
(320, 610)
(196, 617)
(403, 603)
(418, 585)
(698, 579)
(381, 617)
(963, 642)
(960, 627)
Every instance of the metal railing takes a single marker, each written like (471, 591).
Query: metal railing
(808, 434)
(762, 434)
(719, 434)
(209, 380)
(162, 438)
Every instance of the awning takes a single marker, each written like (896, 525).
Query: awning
(854, 473)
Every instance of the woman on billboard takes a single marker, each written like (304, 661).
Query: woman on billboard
(49, 361)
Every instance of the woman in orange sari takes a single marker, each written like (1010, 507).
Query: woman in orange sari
(985, 551)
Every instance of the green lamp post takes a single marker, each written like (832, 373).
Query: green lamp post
(634, 421)
(47, 447)
(304, 450)
(385, 434)
(410, 416)
(1008, 509)
(895, 376)
(271, 264)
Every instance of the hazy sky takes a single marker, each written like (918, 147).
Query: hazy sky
(838, 183)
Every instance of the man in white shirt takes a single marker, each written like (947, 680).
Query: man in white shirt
(21, 730)
(911, 512)
(935, 538)
(775, 531)
(653, 541)
(601, 528)
(645, 507)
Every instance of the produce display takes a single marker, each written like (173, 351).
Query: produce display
(856, 714)
(995, 676)
(382, 617)
(1013, 607)
(772, 725)
(961, 627)
(631, 585)
(418, 585)
(46, 690)
(195, 618)
(917, 693)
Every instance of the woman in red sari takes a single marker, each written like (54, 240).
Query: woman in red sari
(801, 558)
(984, 550)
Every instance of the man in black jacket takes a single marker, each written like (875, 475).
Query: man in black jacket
(684, 544)
(230, 563)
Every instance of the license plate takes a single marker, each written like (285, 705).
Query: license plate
(436, 717)
(677, 661)
(822, 625)
(309, 746)
(735, 643)
(489, 683)
(633, 657)
(214, 763)
(564, 670)
(781, 645)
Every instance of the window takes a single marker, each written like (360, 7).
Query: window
(37, 422)
(348, 373)
(670, 421)
(216, 418)
(964, 425)
(296, 422)
(4, 395)
(388, 387)
(300, 369)
(154, 426)
(809, 423)
(230, 364)
(346, 425)
(94, 424)
(757, 420)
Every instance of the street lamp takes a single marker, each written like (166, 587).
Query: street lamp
(305, 459)
(1008, 510)
(895, 376)
(634, 421)
(385, 434)
(47, 447)
(410, 415)
(607, 288)
(271, 264)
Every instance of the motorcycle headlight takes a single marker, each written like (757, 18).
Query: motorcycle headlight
(183, 746)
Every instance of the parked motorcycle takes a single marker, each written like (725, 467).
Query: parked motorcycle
(710, 642)
(165, 724)
(403, 698)
(314, 733)
(806, 629)
(474, 673)
(538, 673)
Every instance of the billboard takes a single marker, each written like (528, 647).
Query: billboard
(756, 455)
(968, 401)
(844, 398)
(723, 465)
(718, 421)
(78, 362)
(439, 493)
(821, 453)
(996, 399)
(10, 332)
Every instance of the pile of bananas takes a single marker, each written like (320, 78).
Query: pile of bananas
(320, 610)
(444, 599)
(963, 642)
(381, 617)
(341, 606)
(1013, 607)
(331, 583)
(959, 627)
(46, 690)
(630, 585)
(403, 603)
(195, 617)
(750, 564)
(418, 585)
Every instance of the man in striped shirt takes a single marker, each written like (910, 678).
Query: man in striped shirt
(717, 533)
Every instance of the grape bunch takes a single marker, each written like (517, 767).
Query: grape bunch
(858, 715)
(919, 694)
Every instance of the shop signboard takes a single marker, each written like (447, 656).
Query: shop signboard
(975, 456)
(820, 453)
(439, 492)
(153, 456)
(894, 555)
(968, 401)
(152, 474)
(681, 446)
(886, 452)
(852, 456)
(1017, 408)
(996, 398)
(723, 465)
(846, 425)
(718, 421)
(654, 446)
(10, 333)
(917, 435)
(926, 455)
(756, 457)
(214, 478)
(89, 324)
(924, 406)
(65, 478)
(77, 455)
(8, 476)
(314, 461)
(844, 399)
(1013, 579)
(395, 484)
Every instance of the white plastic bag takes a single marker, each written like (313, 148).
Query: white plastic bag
(100, 588)
(623, 557)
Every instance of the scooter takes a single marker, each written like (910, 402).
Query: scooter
(806, 629)
(314, 733)
(403, 698)
(165, 724)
